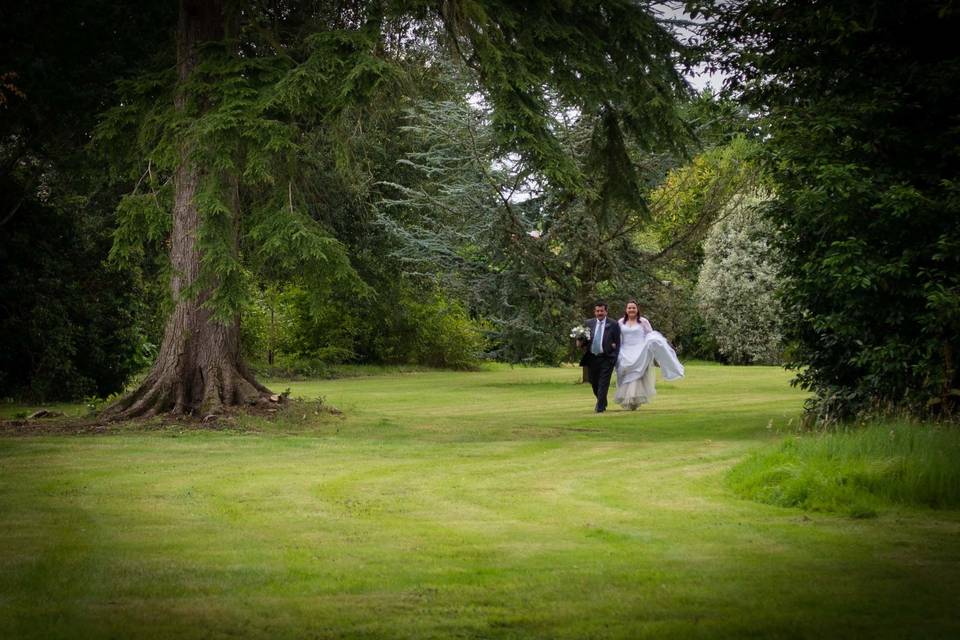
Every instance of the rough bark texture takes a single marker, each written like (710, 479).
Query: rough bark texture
(199, 368)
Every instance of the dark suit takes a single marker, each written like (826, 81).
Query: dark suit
(601, 366)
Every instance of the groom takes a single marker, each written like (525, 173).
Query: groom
(601, 353)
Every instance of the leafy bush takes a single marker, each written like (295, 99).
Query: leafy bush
(426, 329)
(70, 327)
(397, 326)
(856, 471)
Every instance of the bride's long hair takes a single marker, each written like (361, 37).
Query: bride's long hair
(624, 319)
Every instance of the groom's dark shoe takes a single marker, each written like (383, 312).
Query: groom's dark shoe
(599, 409)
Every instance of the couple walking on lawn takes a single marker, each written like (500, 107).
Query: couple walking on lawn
(629, 345)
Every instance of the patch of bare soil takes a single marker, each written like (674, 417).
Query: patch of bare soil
(243, 419)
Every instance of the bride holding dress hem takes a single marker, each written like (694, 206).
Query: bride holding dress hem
(640, 346)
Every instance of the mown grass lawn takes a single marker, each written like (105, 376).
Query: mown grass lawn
(491, 504)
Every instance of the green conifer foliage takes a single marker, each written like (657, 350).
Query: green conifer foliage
(263, 92)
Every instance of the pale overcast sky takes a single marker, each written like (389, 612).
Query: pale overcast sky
(699, 79)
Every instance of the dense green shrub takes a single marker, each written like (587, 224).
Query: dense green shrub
(423, 328)
(69, 327)
(397, 326)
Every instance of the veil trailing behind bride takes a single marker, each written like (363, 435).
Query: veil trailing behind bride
(640, 346)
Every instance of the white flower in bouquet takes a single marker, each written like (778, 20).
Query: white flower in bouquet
(580, 332)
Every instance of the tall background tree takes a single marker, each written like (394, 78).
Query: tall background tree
(532, 258)
(262, 93)
(687, 205)
(860, 104)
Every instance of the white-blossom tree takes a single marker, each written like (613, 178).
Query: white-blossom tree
(736, 286)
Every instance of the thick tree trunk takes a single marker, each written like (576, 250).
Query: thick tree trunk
(199, 368)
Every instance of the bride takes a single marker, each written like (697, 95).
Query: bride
(640, 345)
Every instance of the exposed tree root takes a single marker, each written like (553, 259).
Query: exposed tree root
(203, 392)
(198, 372)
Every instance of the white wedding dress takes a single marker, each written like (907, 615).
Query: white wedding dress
(640, 346)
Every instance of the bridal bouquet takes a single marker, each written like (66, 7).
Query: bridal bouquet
(580, 332)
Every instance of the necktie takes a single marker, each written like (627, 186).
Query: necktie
(597, 347)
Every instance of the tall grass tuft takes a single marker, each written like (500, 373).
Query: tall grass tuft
(857, 471)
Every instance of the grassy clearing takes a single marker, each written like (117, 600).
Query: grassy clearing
(11, 409)
(858, 471)
(489, 504)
